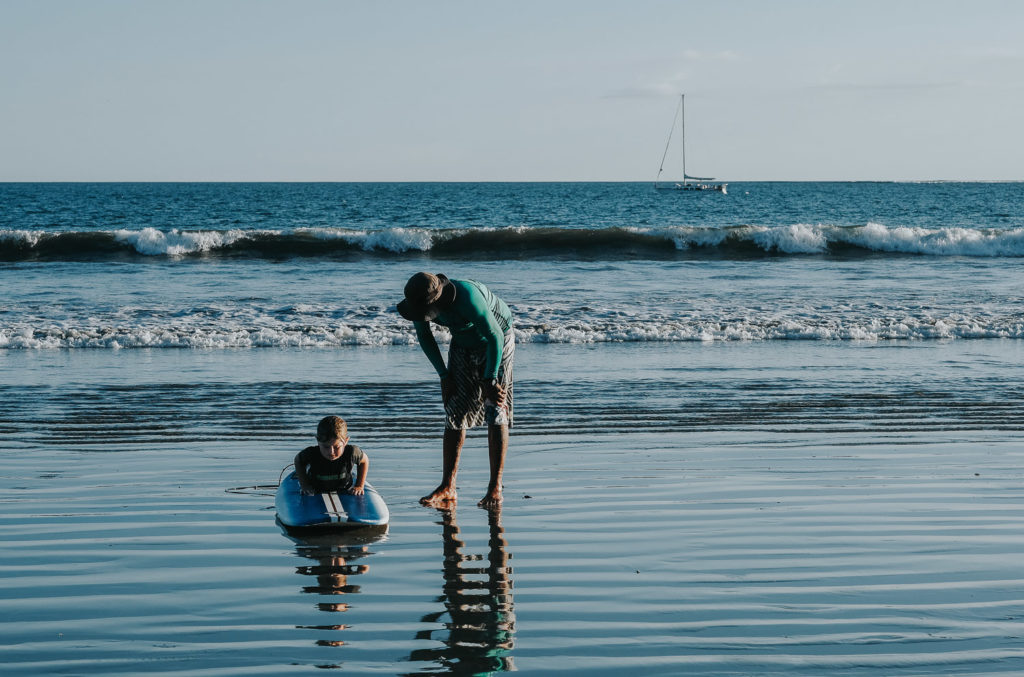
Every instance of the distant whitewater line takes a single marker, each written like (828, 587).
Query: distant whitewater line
(388, 332)
(520, 242)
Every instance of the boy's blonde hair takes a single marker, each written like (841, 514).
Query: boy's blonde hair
(331, 428)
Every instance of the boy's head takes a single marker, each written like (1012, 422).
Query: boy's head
(331, 428)
(332, 436)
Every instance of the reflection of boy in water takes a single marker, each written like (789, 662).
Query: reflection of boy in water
(332, 574)
(334, 567)
(328, 466)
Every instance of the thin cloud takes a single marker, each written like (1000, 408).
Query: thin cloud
(995, 54)
(879, 86)
(652, 91)
(672, 84)
(704, 57)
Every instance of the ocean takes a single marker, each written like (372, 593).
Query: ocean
(777, 431)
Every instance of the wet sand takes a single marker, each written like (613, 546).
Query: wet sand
(739, 509)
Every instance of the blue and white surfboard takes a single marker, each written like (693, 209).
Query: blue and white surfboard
(330, 510)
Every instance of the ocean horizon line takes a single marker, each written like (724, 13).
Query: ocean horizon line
(481, 182)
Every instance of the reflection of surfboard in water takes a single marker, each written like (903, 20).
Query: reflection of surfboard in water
(328, 511)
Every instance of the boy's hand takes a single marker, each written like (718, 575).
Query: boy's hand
(356, 491)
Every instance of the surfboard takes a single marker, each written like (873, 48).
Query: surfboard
(329, 511)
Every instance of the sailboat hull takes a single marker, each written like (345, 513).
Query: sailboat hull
(713, 187)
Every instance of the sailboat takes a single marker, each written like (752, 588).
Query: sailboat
(689, 182)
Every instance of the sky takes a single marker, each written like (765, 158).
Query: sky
(531, 90)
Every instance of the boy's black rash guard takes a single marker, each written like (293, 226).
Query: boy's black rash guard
(331, 475)
(477, 319)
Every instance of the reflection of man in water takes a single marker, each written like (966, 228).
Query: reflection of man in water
(481, 627)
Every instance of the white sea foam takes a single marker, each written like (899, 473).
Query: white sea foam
(21, 237)
(686, 238)
(396, 240)
(940, 242)
(805, 238)
(153, 242)
(796, 239)
(313, 330)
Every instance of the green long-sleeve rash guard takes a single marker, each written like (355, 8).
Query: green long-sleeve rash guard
(476, 319)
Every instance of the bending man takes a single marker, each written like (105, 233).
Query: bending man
(476, 383)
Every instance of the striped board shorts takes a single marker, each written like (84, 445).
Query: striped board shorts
(466, 408)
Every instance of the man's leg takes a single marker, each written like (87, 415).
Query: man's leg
(445, 492)
(497, 447)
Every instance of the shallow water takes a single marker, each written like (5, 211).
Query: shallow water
(775, 431)
(320, 265)
(689, 508)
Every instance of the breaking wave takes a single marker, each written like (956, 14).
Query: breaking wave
(182, 331)
(518, 242)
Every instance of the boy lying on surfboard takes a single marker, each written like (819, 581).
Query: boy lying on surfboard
(329, 465)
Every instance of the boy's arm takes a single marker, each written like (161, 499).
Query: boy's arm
(360, 483)
(302, 477)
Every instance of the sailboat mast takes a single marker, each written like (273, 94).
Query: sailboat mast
(700, 183)
(682, 123)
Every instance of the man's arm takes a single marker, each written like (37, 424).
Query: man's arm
(429, 346)
(489, 330)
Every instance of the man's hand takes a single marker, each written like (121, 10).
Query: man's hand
(495, 392)
(356, 490)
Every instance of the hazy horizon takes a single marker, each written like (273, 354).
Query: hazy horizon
(317, 91)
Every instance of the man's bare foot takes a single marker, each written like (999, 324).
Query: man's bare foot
(492, 500)
(440, 497)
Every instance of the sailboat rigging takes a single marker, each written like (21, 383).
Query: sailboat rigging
(689, 182)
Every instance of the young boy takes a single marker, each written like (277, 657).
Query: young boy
(329, 465)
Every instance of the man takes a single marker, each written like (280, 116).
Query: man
(476, 383)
